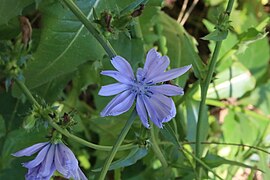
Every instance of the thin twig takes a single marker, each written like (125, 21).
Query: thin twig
(183, 9)
(231, 144)
(184, 19)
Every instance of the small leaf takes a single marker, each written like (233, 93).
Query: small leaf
(213, 161)
(135, 155)
(216, 35)
(249, 37)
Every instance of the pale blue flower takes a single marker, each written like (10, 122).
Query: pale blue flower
(152, 97)
(51, 157)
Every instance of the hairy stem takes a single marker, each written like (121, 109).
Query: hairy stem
(91, 28)
(30, 97)
(204, 87)
(117, 144)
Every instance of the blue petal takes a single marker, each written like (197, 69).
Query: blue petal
(32, 174)
(151, 56)
(118, 76)
(120, 104)
(155, 64)
(30, 150)
(40, 157)
(47, 164)
(167, 89)
(158, 66)
(122, 66)
(81, 175)
(59, 160)
(169, 75)
(113, 89)
(160, 108)
(140, 107)
(69, 162)
(141, 73)
(152, 112)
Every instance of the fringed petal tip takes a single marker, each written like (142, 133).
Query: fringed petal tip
(122, 66)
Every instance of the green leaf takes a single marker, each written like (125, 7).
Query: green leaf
(260, 98)
(216, 35)
(17, 140)
(2, 126)
(168, 134)
(131, 49)
(234, 81)
(256, 57)
(135, 155)
(213, 161)
(12, 8)
(64, 44)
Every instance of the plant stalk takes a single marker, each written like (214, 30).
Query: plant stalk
(117, 144)
(156, 148)
(30, 97)
(204, 88)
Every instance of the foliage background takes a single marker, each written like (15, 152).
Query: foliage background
(64, 71)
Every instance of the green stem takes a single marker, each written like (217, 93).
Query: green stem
(30, 97)
(156, 148)
(204, 87)
(79, 14)
(117, 144)
(86, 143)
(27, 93)
(203, 98)
(199, 161)
(231, 144)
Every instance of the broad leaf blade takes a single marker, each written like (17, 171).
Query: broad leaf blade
(64, 44)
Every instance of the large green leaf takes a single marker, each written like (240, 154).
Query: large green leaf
(64, 44)
(12, 8)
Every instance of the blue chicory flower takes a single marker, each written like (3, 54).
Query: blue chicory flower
(51, 157)
(152, 97)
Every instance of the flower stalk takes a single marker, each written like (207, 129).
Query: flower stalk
(117, 144)
(204, 88)
(30, 97)
(156, 148)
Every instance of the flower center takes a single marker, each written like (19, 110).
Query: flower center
(141, 88)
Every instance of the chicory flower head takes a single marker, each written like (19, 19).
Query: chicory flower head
(51, 157)
(152, 97)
